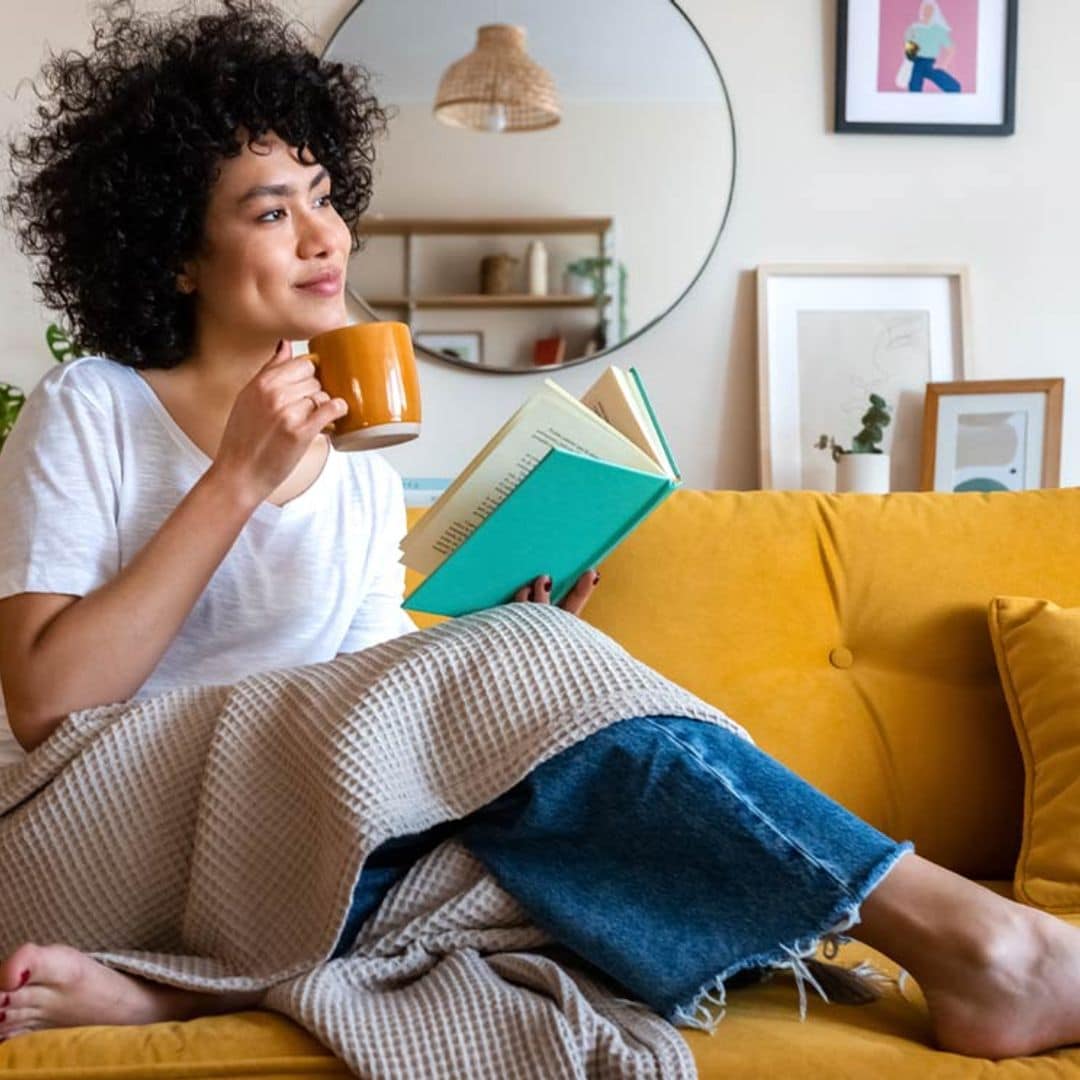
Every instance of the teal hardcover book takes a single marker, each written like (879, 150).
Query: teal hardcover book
(562, 519)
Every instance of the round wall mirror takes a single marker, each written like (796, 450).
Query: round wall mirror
(514, 249)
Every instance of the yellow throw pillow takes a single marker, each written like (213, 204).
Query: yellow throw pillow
(1037, 645)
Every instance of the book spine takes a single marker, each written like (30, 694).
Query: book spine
(655, 423)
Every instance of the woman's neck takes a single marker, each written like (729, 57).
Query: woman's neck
(219, 373)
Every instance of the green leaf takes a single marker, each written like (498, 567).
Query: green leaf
(12, 400)
(60, 343)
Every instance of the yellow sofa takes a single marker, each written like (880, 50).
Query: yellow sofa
(849, 634)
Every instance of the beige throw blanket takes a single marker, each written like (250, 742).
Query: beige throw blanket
(210, 838)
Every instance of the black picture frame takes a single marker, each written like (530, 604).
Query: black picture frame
(1005, 127)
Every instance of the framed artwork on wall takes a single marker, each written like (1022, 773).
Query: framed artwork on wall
(926, 67)
(992, 435)
(467, 345)
(830, 335)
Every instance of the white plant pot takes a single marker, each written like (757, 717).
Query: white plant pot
(868, 473)
(577, 285)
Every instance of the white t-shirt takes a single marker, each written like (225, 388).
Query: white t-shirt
(94, 466)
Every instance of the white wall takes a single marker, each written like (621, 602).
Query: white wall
(1004, 206)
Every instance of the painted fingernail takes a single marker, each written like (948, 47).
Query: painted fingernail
(24, 978)
(596, 579)
(6, 1002)
(547, 584)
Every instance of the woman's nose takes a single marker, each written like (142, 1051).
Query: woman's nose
(316, 235)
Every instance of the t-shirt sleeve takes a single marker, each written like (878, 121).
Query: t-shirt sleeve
(380, 615)
(59, 485)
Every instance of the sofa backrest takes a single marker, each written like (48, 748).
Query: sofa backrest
(849, 635)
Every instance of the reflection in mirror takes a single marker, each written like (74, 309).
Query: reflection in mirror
(523, 250)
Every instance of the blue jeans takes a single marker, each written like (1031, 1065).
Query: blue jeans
(667, 852)
(922, 67)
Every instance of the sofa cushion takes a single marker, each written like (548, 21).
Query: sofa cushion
(1037, 645)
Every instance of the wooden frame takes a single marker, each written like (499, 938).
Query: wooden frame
(942, 290)
(468, 337)
(1007, 74)
(1049, 459)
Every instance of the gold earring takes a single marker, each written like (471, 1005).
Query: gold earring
(185, 285)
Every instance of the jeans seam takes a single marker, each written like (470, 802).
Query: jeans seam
(693, 750)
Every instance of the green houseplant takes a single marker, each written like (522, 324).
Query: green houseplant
(591, 268)
(865, 467)
(12, 399)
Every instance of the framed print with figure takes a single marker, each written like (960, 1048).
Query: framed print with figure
(926, 67)
(829, 335)
(465, 345)
(992, 435)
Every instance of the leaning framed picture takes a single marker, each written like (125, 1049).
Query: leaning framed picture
(926, 67)
(992, 435)
(467, 345)
(829, 335)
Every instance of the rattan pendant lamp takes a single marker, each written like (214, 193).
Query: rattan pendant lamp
(498, 87)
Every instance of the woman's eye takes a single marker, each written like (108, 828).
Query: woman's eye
(325, 199)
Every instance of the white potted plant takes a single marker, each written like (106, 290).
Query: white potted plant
(864, 467)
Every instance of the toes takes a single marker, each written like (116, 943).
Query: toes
(16, 1020)
(17, 970)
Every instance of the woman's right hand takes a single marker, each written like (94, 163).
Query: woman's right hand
(274, 420)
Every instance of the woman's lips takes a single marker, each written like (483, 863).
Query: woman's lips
(326, 287)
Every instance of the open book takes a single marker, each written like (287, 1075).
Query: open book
(559, 485)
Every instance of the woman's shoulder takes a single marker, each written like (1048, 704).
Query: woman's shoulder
(94, 379)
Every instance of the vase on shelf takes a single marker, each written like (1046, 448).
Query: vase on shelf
(536, 262)
(867, 473)
(497, 274)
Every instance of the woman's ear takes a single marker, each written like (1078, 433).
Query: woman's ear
(186, 277)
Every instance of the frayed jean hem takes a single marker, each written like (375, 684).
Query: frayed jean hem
(697, 1014)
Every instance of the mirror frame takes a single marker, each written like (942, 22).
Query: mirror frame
(547, 369)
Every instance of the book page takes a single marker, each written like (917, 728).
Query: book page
(543, 422)
(613, 397)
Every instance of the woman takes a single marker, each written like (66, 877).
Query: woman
(930, 48)
(173, 514)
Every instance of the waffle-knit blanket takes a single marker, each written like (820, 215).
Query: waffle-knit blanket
(210, 838)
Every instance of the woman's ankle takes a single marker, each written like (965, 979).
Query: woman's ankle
(931, 920)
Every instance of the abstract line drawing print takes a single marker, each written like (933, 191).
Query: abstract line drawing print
(844, 357)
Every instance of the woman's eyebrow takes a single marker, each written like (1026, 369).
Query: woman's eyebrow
(278, 189)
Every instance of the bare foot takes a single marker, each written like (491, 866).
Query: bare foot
(45, 986)
(1017, 992)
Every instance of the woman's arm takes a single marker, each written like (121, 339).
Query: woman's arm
(60, 653)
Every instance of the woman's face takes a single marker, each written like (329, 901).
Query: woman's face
(260, 247)
(926, 13)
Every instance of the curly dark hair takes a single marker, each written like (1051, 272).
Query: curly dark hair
(112, 184)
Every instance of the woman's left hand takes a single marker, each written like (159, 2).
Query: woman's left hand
(539, 591)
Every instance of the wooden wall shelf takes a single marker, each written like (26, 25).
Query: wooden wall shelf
(411, 231)
(480, 300)
(523, 226)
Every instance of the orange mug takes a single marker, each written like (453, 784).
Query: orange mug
(373, 368)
